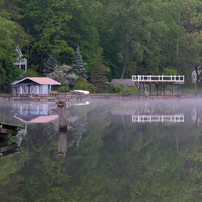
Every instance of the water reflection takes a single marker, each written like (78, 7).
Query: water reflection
(110, 158)
(158, 112)
(153, 112)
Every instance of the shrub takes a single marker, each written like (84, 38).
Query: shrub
(63, 89)
(116, 88)
(85, 86)
(130, 91)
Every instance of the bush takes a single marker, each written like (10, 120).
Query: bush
(116, 88)
(130, 91)
(85, 86)
(63, 89)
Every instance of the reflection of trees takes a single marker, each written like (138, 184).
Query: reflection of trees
(10, 179)
(76, 123)
(115, 161)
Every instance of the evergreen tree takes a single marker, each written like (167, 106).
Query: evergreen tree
(78, 65)
(98, 75)
(50, 64)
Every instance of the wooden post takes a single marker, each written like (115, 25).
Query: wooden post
(173, 90)
(62, 143)
(62, 116)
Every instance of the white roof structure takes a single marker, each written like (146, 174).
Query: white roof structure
(39, 80)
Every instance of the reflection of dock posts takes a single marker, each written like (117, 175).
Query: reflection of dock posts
(62, 143)
(157, 89)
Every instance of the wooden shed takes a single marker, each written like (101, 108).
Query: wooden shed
(33, 85)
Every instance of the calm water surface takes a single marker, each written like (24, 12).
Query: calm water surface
(147, 151)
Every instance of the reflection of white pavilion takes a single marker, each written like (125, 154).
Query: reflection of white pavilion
(176, 118)
(148, 112)
(32, 113)
(158, 112)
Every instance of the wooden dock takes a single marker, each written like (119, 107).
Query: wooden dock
(7, 147)
(56, 98)
(137, 96)
(9, 129)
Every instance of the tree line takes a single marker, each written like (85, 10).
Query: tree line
(120, 37)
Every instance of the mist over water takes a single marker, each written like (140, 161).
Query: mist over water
(115, 150)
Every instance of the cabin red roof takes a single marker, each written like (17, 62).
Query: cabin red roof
(41, 80)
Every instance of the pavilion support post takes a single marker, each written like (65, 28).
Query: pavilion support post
(157, 89)
(150, 89)
(164, 89)
(178, 89)
(143, 89)
(173, 93)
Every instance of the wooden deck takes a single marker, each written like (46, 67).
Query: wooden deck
(9, 129)
(56, 98)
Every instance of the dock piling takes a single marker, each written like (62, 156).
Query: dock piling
(62, 143)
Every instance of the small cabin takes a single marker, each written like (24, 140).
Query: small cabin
(33, 85)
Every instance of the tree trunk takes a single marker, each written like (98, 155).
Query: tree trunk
(124, 66)
(177, 48)
(126, 49)
(158, 57)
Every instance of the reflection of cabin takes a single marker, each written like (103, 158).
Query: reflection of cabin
(32, 113)
(21, 63)
(33, 85)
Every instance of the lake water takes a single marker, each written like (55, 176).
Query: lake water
(114, 150)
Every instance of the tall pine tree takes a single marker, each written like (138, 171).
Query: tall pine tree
(78, 65)
(50, 64)
(98, 75)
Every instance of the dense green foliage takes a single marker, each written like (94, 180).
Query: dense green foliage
(98, 73)
(136, 36)
(116, 88)
(63, 89)
(78, 65)
(50, 64)
(85, 86)
(62, 74)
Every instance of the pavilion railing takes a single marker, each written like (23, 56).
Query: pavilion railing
(158, 118)
(156, 78)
